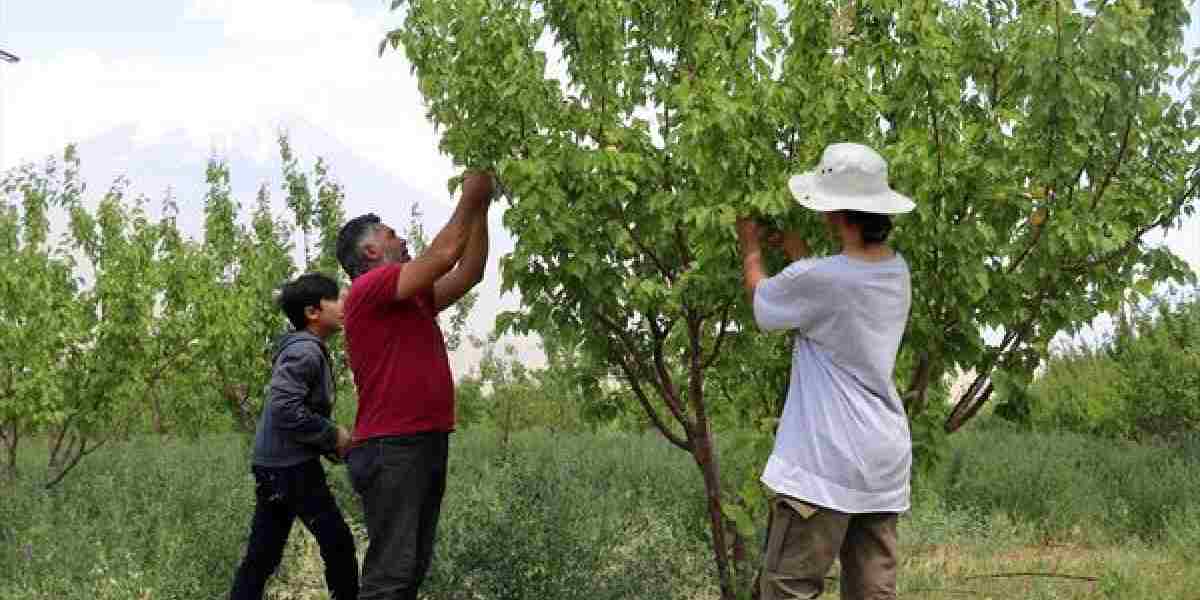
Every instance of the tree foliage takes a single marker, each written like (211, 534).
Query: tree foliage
(1041, 141)
(126, 324)
(1140, 383)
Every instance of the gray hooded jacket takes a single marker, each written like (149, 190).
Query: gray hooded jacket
(295, 424)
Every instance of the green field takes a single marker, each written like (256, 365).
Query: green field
(1007, 515)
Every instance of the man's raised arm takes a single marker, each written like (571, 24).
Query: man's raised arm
(451, 242)
(469, 272)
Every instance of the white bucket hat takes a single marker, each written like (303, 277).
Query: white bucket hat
(850, 177)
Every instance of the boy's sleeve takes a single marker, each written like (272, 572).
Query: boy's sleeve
(797, 298)
(293, 377)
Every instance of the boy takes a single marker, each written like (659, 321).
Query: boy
(841, 464)
(294, 430)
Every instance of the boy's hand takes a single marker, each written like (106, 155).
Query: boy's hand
(748, 231)
(790, 242)
(343, 441)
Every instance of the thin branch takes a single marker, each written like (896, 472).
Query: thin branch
(1091, 21)
(722, 332)
(1033, 242)
(655, 418)
(631, 351)
(666, 383)
(970, 402)
(681, 242)
(696, 369)
(78, 456)
(1162, 221)
(1052, 575)
(1020, 73)
(62, 432)
(1112, 171)
(937, 131)
(914, 397)
(947, 591)
(977, 404)
(662, 268)
(1091, 152)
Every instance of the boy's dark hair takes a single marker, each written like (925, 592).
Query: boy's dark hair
(304, 291)
(348, 239)
(875, 227)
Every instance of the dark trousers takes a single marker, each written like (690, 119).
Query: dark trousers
(281, 495)
(401, 481)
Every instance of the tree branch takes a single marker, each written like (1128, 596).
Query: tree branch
(696, 368)
(722, 332)
(914, 397)
(655, 418)
(62, 432)
(78, 456)
(662, 268)
(1108, 177)
(973, 400)
(666, 383)
(1091, 153)
(1091, 21)
(1051, 575)
(1165, 219)
(681, 242)
(631, 351)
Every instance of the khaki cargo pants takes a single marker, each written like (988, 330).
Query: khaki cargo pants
(803, 541)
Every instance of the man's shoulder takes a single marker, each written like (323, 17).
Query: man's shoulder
(373, 286)
(374, 275)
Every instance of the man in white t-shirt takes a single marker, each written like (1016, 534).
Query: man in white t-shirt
(840, 467)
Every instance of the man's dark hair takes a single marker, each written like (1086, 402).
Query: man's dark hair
(875, 227)
(304, 291)
(349, 239)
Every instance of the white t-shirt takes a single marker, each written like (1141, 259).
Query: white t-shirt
(843, 442)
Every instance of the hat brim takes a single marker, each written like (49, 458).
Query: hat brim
(806, 188)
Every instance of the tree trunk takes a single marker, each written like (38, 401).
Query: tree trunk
(238, 396)
(12, 440)
(706, 459)
(156, 420)
(76, 448)
(54, 445)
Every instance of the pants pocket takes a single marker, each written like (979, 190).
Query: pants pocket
(781, 522)
(362, 465)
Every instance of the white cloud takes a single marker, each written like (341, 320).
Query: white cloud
(279, 21)
(279, 58)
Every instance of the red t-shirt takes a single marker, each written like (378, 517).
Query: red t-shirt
(398, 357)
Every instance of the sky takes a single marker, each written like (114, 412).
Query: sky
(207, 71)
(211, 67)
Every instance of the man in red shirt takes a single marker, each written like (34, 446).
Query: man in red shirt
(405, 390)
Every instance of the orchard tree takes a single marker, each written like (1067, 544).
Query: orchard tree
(100, 372)
(1041, 142)
(244, 266)
(126, 318)
(247, 265)
(315, 210)
(36, 285)
(173, 375)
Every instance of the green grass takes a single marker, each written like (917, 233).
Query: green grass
(613, 516)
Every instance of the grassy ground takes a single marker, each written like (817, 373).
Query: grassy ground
(1009, 515)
